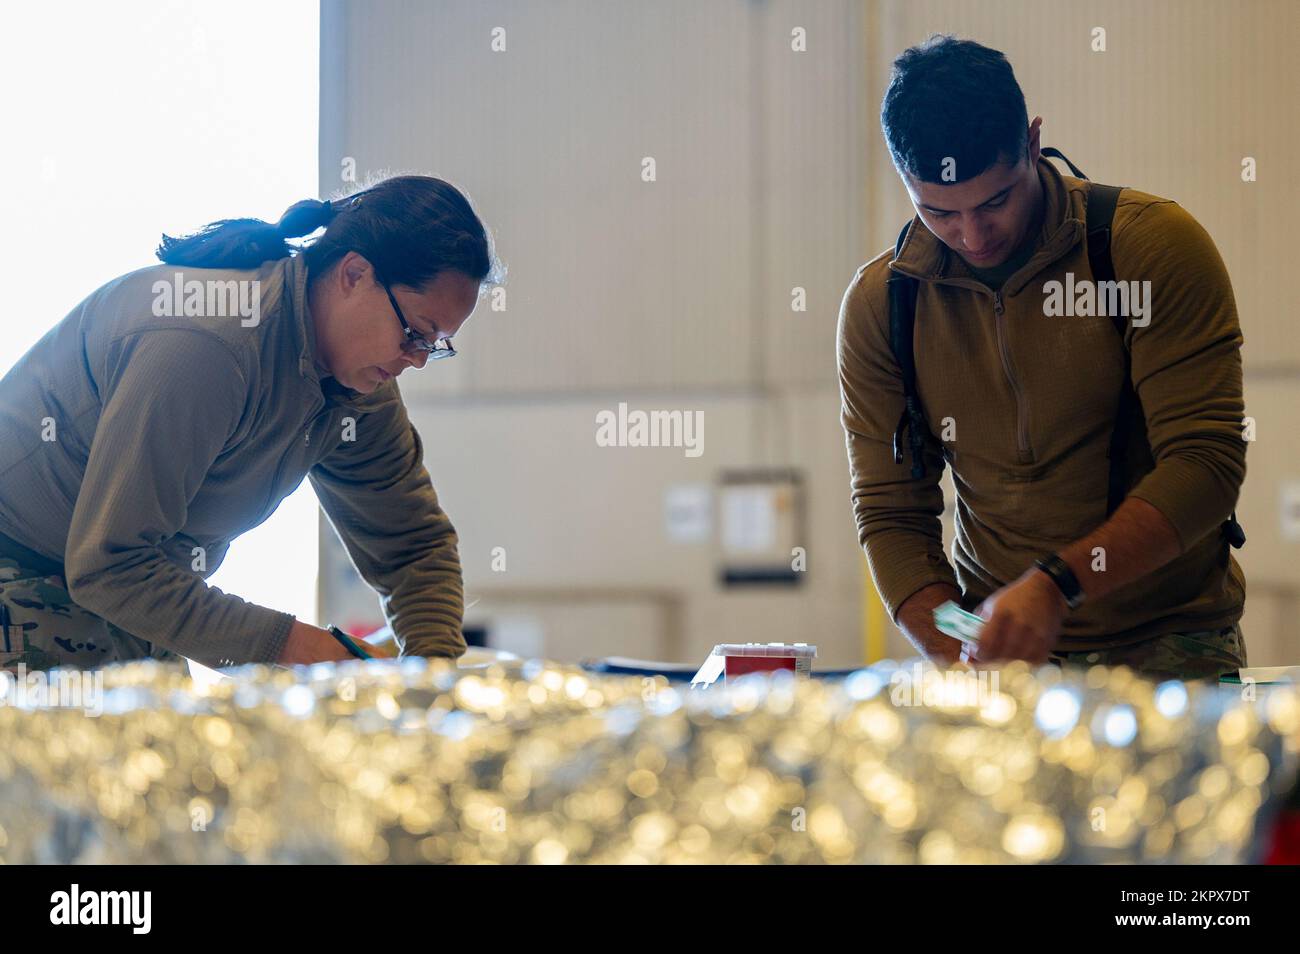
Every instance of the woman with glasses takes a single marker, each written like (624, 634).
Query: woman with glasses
(176, 406)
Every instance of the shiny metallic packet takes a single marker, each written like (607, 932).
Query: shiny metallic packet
(417, 761)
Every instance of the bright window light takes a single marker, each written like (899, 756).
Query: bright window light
(127, 120)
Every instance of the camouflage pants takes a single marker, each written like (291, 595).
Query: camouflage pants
(41, 627)
(1207, 654)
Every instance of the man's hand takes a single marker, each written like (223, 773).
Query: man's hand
(1023, 620)
(916, 620)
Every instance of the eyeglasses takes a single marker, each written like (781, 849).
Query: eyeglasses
(416, 342)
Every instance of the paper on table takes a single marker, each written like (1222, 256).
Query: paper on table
(202, 676)
(1263, 675)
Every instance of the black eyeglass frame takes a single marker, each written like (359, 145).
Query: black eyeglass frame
(436, 350)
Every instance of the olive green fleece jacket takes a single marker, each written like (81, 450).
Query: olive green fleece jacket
(1023, 404)
(135, 446)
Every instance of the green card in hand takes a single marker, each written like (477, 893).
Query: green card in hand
(954, 621)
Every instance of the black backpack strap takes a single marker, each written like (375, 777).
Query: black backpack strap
(902, 322)
(1053, 153)
(1102, 200)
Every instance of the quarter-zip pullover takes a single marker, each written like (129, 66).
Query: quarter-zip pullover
(1022, 405)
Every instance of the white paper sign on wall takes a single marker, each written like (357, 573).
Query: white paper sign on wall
(1290, 505)
(688, 513)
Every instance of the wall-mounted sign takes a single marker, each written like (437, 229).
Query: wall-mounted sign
(762, 537)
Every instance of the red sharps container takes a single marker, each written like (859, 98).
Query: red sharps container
(737, 659)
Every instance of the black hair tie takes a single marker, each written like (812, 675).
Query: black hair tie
(305, 217)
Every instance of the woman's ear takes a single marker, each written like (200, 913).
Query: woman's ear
(354, 273)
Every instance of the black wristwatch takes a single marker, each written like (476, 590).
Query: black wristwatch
(1063, 577)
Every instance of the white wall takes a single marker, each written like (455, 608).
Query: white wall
(672, 294)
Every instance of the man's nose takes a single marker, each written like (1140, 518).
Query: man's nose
(416, 359)
(974, 233)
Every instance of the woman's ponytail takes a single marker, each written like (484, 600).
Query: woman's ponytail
(409, 228)
(246, 243)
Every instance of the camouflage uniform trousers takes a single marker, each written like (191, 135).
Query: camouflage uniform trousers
(41, 626)
(1207, 654)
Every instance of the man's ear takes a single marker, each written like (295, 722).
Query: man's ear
(1035, 140)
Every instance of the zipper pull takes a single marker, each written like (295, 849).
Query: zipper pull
(997, 302)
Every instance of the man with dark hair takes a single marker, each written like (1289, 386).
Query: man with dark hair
(1019, 377)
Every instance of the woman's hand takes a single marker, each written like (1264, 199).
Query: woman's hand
(309, 644)
(382, 649)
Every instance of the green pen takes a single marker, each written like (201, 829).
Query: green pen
(349, 643)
